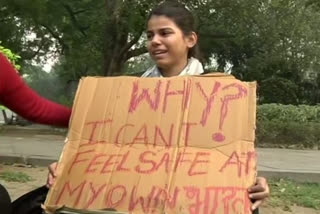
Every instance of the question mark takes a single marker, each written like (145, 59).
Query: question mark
(242, 92)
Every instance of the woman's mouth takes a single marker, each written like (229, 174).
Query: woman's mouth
(159, 53)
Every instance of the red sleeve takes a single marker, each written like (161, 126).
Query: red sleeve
(21, 99)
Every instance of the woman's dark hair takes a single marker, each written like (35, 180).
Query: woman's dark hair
(182, 17)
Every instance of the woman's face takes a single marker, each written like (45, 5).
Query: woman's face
(167, 45)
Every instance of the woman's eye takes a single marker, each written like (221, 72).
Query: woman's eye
(149, 36)
(166, 33)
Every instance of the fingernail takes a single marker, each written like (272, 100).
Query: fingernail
(250, 196)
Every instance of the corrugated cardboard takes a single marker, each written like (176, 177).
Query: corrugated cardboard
(159, 145)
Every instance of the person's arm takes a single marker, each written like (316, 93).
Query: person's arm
(21, 99)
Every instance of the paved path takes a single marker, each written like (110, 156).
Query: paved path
(41, 150)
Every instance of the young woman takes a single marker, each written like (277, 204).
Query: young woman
(172, 44)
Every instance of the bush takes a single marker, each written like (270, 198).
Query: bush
(287, 134)
(279, 90)
(288, 126)
(288, 113)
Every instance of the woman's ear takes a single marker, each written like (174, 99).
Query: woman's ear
(191, 39)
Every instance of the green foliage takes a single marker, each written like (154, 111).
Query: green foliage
(294, 135)
(13, 58)
(278, 90)
(2, 108)
(49, 85)
(286, 193)
(267, 41)
(288, 126)
(10, 176)
(289, 113)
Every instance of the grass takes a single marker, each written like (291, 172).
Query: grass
(10, 176)
(285, 193)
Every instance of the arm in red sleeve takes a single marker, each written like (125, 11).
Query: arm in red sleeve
(18, 97)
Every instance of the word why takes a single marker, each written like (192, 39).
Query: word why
(207, 97)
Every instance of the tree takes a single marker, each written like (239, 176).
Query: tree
(89, 32)
(278, 90)
(269, 39)
(257, 40)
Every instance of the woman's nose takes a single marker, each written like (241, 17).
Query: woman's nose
(155, 40)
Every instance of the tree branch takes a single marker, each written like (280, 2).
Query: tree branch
(29, 55)
(136, 52)
(56, 36)
(127, 47)
(74, 19)
(80, 11)
(36, 52)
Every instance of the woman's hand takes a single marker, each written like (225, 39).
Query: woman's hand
(259, 192)
(51, 174)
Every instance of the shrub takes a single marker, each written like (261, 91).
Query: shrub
(289, 113)
(279, 90)
(288, 126)
(287, 134)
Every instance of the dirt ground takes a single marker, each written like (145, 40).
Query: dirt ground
(16, 189)
(39, 176)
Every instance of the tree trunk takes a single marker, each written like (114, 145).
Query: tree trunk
(117, 43)
(113, 65)
(113, 58)
(113, 39)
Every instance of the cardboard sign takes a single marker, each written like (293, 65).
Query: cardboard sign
(159, 145)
